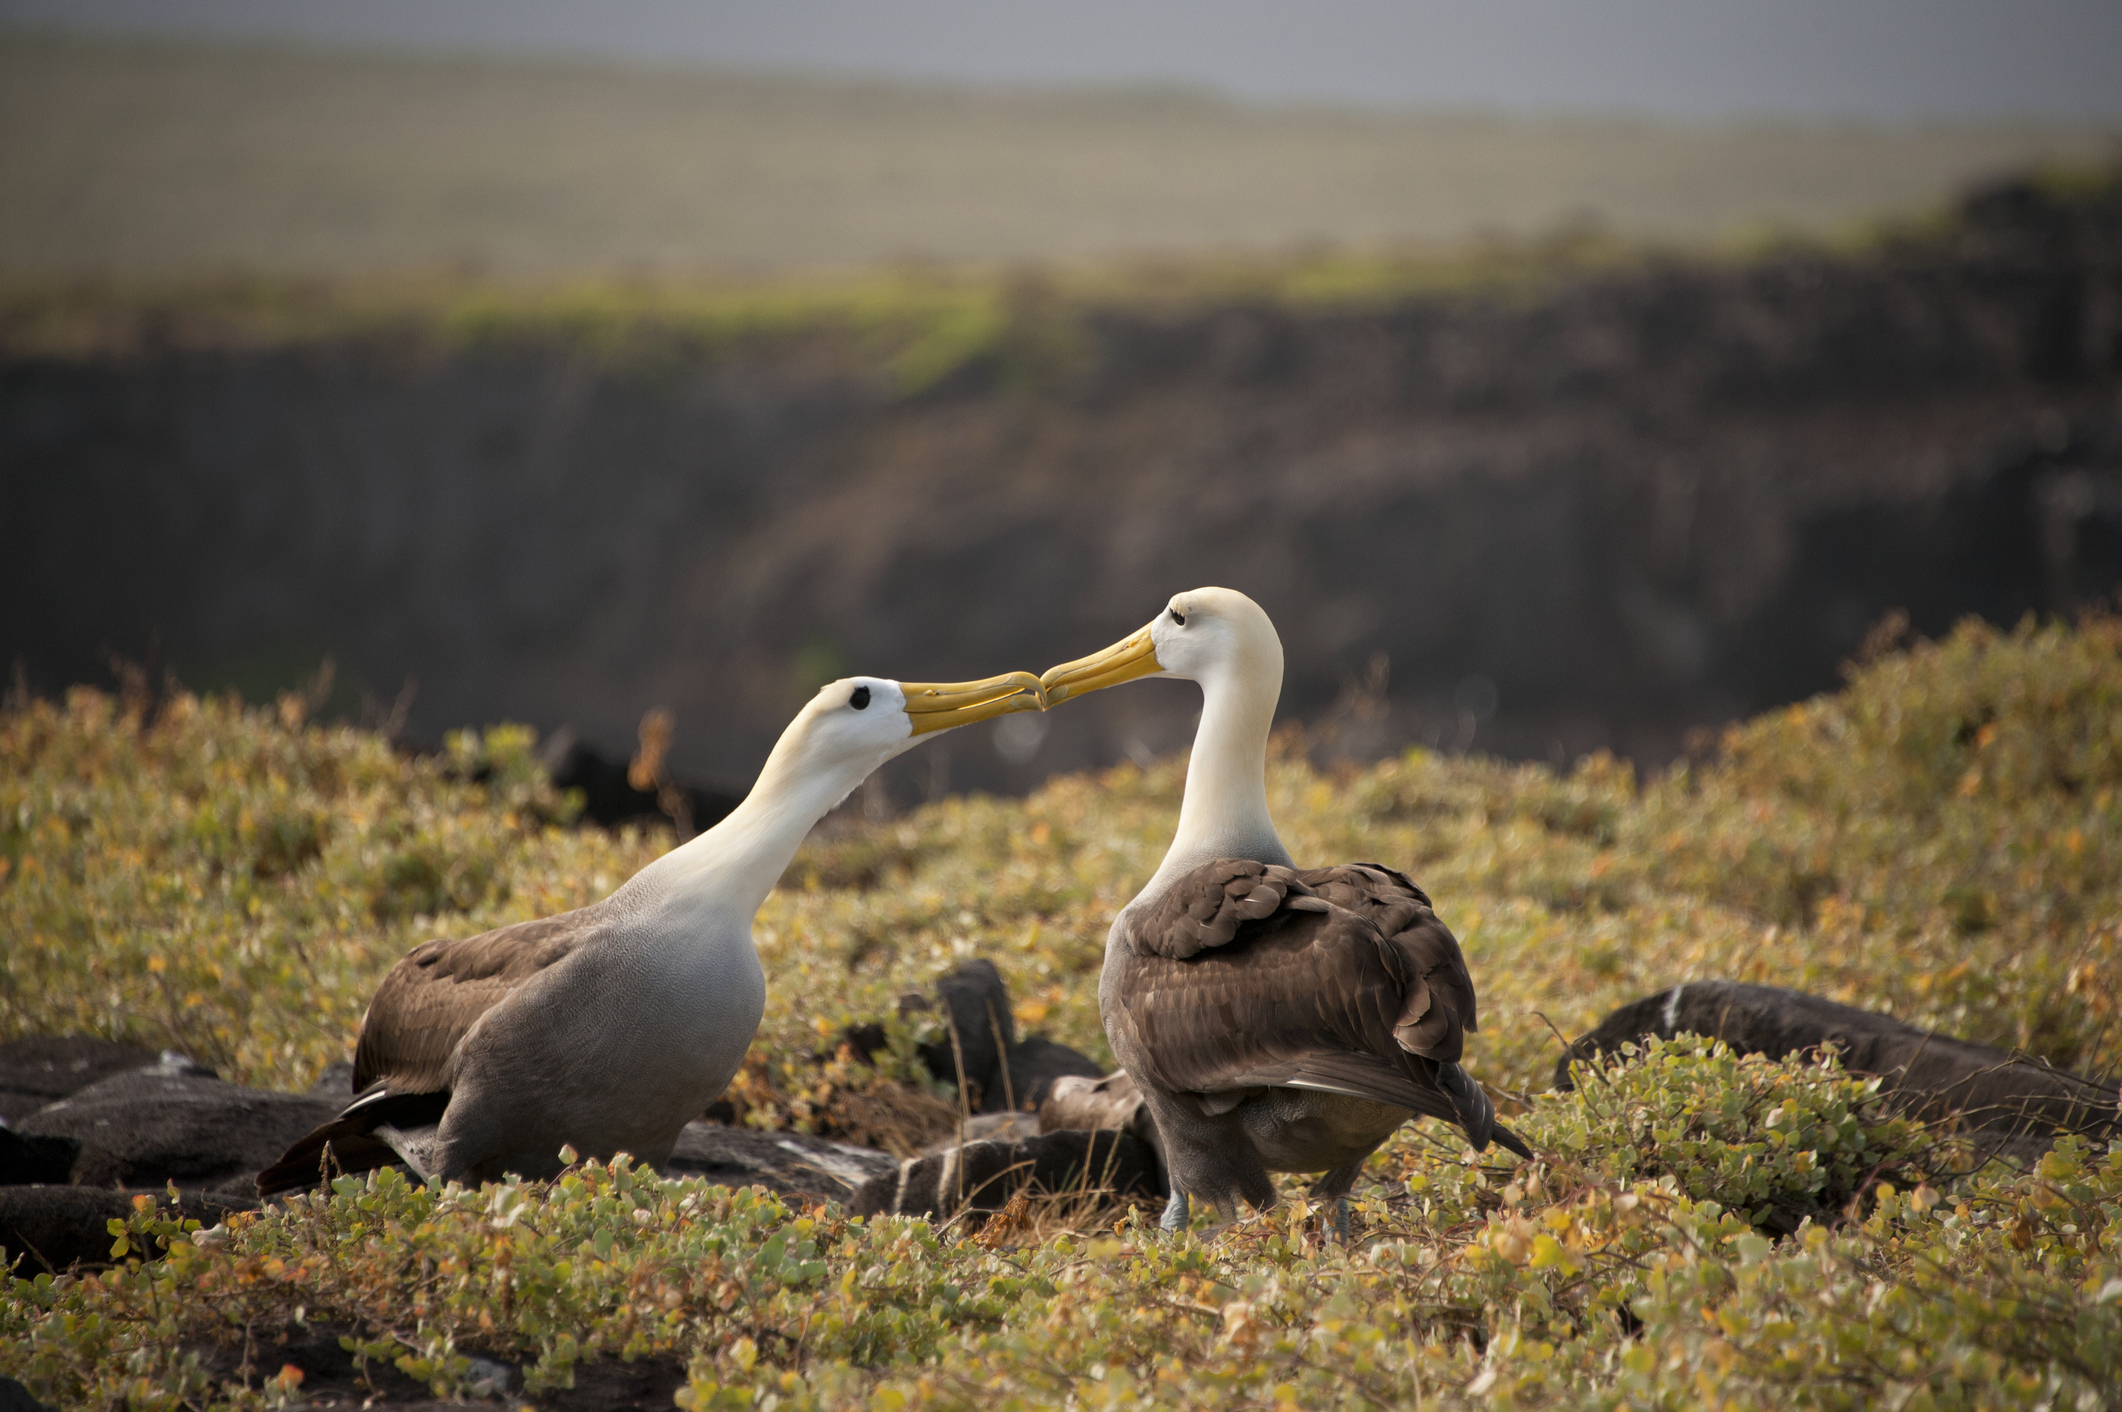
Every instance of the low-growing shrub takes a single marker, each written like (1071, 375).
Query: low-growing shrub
(1940, 840)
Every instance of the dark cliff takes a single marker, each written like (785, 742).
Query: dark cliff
(1640, 502)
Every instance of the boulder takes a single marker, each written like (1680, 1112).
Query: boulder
(173, 1123)
(16, 1398)
(975, 1005)
(1112, 1101)
(34, 1161)
(52, 1227)
(987, 1127)
(787, 1164)
(998, 1070)
(335, 1083)
(609, 797)
(981, 1177)
(2021, 1102)
(1030, 1072)
(40, 1070)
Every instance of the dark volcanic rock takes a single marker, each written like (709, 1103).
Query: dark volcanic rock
(998, 1070)
(165, 1124)
(2019, 1100)
(983, 1176)
(37, 1071)
(609, 797)
(1031, 1072)
(16, 1398)
(788, 1164)
(976, 1007)
(54, 1226)
(331, 1380)
(27, 1161)
(335, 1083)
(1109, 1102)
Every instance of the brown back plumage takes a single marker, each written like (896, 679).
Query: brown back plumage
(432, 998)
(421, 1012)
(1246, 974)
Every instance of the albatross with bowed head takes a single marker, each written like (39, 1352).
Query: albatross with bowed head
(609, 1028)
(1276, 1019)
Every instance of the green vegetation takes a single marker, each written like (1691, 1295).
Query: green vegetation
(910, 327)
(1941, 839)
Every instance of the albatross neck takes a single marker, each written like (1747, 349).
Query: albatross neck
(1224, 813)
(732, 867)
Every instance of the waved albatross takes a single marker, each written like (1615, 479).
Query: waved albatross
(1275, 1018)
(610, 1027)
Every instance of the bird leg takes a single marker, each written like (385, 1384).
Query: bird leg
(1333, 1189)
(1176, 1212)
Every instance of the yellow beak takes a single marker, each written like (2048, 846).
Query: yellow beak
(1133, 656)
(938, 706)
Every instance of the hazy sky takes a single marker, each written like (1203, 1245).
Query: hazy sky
(1890, 60)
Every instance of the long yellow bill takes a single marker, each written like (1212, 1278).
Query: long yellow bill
(1133, 656)
(938, 706)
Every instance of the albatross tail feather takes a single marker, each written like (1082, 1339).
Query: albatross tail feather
(352, 1142)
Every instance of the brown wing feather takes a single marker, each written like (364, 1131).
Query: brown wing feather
(1298, 983)
(432, 998)
(1206, 907)
(1361, 1075)
(1441, 1009)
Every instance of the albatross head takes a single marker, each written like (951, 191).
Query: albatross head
(857, 723)
(1215, 636)
(1225, 641)
(842, 734)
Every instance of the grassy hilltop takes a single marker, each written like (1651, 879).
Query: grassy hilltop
(1941, 839)
(146, 157)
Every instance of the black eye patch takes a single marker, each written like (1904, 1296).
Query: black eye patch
(1178, 617)
(860, 700)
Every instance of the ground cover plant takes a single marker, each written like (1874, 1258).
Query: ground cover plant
(1938, 840)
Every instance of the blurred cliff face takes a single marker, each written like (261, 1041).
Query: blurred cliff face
(1647, 501)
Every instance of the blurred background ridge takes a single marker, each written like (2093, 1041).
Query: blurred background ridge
(575, 362)
(1893, 61)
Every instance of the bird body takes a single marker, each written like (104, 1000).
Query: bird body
(1274, 1019)
(610, 1027)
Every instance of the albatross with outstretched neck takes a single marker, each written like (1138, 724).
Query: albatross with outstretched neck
(609, 1028)
(1275, 1019)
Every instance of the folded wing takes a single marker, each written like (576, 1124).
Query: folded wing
(404, 1061)
(432, 998)
(1250, 975)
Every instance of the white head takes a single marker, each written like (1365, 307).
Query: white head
(842, 734)
(1215, 636)
(1226, 642)
(854, 725)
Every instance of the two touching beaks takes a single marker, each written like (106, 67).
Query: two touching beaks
(1131, 657)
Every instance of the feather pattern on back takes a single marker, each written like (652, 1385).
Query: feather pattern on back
(1245, 974)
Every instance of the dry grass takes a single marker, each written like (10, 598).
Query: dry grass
(153, 158)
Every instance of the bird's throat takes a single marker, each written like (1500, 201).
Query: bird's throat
(1224, 814)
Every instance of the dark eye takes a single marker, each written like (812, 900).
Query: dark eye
(1178, 617)
(860, 700)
